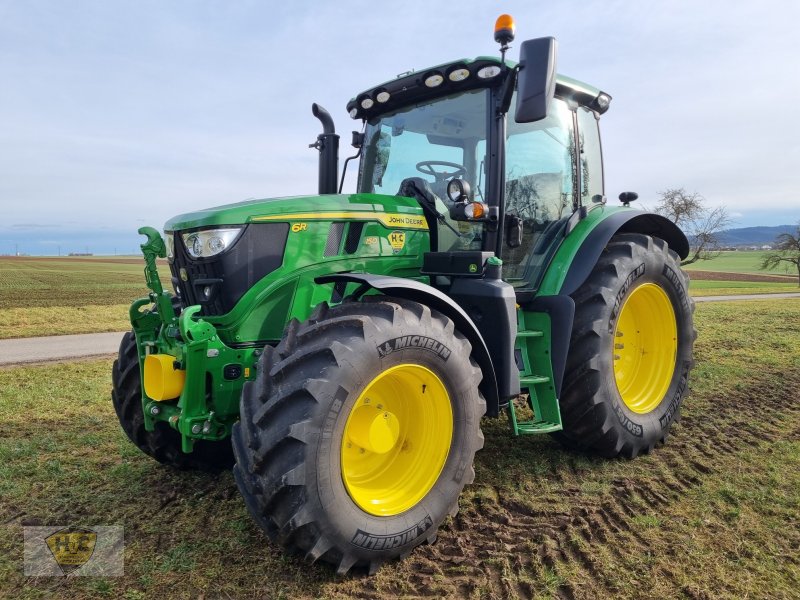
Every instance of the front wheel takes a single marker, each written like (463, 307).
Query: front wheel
(630, 351)
(359, 432)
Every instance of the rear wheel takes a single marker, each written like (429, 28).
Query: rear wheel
(164, 443)
(631, 349)
(359, 432)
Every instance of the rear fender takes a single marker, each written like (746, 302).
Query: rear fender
(416, 291)
(623, 221)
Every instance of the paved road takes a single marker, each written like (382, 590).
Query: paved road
(58, 347)
(64, 347)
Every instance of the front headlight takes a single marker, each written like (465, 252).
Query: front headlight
(210, 242)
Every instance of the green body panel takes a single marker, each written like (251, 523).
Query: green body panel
(562, 260)
(250, 210)
(209, 403)
(289, 292)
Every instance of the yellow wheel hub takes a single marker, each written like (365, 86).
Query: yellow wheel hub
(645, 347)
(396, 440)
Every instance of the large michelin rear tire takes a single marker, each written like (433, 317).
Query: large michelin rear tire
(631, 349)
(359, 432)
(164, 443)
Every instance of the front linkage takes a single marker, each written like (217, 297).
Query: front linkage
(191, 380)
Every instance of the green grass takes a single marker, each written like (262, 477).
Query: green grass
(715, 513)
(737, 261)
(707, 287)
(62, 320)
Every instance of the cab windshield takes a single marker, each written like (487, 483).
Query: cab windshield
(436, 141)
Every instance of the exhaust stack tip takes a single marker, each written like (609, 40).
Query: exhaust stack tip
(324, 117)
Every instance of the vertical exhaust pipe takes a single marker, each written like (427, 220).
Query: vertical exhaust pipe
(328, 146)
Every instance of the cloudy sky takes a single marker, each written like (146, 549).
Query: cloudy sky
(115, 114)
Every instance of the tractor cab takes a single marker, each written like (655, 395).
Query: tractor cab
(444, 146)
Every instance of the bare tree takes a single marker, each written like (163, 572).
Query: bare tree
(786, 248)
(701, 224)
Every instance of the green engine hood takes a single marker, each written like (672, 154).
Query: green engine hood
(391, 210)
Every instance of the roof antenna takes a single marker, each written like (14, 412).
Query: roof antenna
(504, 29)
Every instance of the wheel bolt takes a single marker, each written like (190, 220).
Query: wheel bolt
(154, 410)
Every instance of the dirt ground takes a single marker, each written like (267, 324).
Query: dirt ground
(718, 276)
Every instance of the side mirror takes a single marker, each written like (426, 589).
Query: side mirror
(513, 233)
(536, 82)
(627, 197)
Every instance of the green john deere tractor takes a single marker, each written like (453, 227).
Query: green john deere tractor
(340, 350)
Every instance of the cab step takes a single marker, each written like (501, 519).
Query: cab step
(532, 427)
(530, 334)
(533, 380)
(533, 347)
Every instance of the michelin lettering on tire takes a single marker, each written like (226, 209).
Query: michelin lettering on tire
(414, 341)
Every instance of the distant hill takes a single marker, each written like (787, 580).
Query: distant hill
(753, 236)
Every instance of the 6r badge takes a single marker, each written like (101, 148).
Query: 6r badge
(398, 241)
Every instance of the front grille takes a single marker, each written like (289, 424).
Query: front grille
(255, 254)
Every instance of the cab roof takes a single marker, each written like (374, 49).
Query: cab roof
(483, 71)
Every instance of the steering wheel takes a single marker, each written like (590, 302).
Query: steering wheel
(426, 168)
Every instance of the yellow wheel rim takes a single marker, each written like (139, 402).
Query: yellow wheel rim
(396, 439)
(645, 347)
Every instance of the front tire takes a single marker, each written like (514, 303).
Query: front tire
(359, 432)
(631, 349)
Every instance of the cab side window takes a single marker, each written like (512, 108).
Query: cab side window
(539, 187)
(591, 158)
